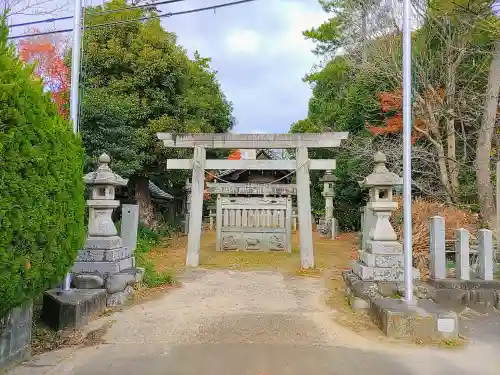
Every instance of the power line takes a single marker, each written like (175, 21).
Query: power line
(170, 14)
(47, 20)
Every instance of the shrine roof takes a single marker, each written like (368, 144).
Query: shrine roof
(261, 154)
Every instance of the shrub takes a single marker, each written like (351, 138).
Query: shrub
(41, 185)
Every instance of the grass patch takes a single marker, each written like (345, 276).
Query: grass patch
(146, 241)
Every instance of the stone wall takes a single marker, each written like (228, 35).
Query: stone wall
(15, 335)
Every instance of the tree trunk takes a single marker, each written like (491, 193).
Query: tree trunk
(451, 141)
(143, 197)
(443, 172)
(484, 140)
(451, 156)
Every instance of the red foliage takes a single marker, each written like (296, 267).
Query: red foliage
(393, 102)
(48, 53)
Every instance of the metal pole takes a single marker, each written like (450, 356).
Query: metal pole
(407, 128)
(75, 85)
(75, 63)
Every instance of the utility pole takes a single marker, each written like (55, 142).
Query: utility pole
(75, 85)
(407, 128)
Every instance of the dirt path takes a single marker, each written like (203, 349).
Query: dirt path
(254, 322)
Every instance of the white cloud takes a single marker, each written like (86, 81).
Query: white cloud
(299, 18)
(243, 41)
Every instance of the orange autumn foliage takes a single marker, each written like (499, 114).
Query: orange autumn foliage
(48, 54)
(235, 155)
(392, 102)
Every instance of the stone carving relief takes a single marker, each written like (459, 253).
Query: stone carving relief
(276, 242)
(252, 243)
(324, 227)
(229, 243)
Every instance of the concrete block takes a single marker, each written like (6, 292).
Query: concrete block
(384, 247)
(72, 309)
(103, 267)
(111, 255)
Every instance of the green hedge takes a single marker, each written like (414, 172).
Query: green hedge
(41, 185)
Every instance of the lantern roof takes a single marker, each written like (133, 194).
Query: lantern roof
(103, 175)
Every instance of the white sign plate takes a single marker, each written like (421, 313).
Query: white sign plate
(446, 325)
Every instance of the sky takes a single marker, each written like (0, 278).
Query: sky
(257, 49)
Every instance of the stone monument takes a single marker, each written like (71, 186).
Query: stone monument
(381, 258)
(328, 226)
(105, 262)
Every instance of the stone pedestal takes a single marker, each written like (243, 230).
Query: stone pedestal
(105, 263)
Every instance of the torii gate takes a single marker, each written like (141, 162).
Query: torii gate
(298, 141)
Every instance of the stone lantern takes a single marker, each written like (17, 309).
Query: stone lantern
(381, 257)
(105, 262)
(381, 183)
(102, 203)
(328, 226)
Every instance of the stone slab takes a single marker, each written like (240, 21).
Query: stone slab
(384, 247)
(103, 267)
(382, 260)
(103, 243)
(72, 309)
(111, 255)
